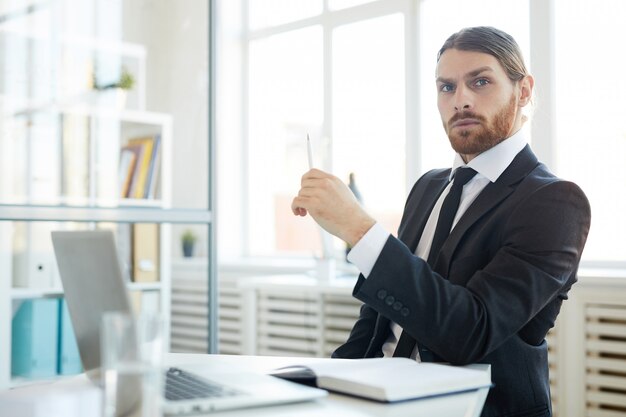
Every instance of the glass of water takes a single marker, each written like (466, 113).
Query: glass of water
(132, 364)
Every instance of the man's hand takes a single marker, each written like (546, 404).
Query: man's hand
(332, 205)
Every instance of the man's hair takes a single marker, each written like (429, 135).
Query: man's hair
(490, 41)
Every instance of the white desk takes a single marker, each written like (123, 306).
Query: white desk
(458, 405)
(77, 397)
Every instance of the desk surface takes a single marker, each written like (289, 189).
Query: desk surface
(458, 405)
(77, 397)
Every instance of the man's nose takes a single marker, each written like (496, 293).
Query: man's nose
(462, 99)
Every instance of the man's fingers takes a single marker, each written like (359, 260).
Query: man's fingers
(314, 174)
(296, 207)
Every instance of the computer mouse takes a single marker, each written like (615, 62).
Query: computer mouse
(296, 373)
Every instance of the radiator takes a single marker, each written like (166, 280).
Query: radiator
(189, 320)
(605, 359)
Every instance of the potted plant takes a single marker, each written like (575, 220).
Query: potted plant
(188, 239)
(125, 82)
(118, 90)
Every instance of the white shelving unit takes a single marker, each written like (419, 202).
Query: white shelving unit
(94, 209)
(88, 209)
(42, 132)
(60, 147)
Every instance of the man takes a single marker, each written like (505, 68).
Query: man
(491, 288)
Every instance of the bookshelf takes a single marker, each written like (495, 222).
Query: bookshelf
(60, 157)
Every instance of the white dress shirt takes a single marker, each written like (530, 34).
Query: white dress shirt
(489, 165)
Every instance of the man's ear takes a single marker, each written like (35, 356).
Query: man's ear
(526, 85)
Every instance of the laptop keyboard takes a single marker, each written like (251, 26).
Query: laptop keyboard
(181, 385)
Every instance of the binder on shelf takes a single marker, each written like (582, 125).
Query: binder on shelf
(145, 252)
(34, 264)
(34, 338)
(69, 356)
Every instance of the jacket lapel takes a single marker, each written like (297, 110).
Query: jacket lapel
(418, 210)
(490, 197)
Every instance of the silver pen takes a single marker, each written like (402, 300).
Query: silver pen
(309, 151)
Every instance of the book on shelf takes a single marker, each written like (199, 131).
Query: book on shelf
(128, 158)
(387, 379)
(139, 180)
(155, 165)
(132, 174)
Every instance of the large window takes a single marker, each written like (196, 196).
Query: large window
(591, 127)
(335, 74)
(358, 77)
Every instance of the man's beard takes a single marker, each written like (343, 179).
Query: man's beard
(484, 136)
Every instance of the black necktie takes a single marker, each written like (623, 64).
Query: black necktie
(444, 225)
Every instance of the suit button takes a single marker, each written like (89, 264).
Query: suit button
(381, 294)
(404, 312)
(390, 300)
(397, 306)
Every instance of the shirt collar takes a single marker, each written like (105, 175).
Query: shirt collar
(492, 163)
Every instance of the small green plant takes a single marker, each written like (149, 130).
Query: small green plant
(126, 81)
(189, 237)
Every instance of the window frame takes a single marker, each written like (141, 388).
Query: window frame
(542, 56)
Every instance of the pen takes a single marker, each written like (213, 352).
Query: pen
(309, 151)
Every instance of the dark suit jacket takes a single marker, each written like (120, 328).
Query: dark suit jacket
(495, 289)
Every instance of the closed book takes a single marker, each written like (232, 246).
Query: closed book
(142, 166)
(389, 379)
(126, 169)
(34, 338)
(155, 166)
(69, 356)
(134, 171)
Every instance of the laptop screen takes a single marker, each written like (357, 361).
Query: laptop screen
(91, 274)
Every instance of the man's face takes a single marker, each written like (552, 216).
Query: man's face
(479, 105)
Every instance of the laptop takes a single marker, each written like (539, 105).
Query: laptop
(91, 274)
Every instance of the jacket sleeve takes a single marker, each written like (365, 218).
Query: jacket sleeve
(541, 244)
(360, 335)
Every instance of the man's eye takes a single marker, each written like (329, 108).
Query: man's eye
(445, 88)
(481, 82)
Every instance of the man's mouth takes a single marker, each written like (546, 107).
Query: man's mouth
(464, 123)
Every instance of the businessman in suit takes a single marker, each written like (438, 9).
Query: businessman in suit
(487, 287)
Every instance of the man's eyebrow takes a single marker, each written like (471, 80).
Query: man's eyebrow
(444, 80)
(470, 74)
(478, 71)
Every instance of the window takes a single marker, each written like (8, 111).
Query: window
(358, 76)
(285, 102)
(591, 131)
(338, 77)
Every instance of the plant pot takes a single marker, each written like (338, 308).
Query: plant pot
(188, 249)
